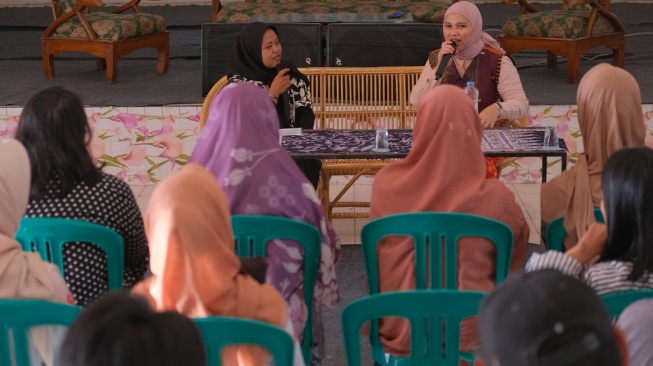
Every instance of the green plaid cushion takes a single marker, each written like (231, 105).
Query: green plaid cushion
(423, 11)
(554, 24)
(113, 27)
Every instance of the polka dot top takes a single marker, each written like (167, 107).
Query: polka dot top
(110, 203)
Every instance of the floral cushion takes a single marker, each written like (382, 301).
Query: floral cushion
(554, 24)
(114, 27)
(422, 11)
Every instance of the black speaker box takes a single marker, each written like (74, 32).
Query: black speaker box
(381, 44)
(301, 44)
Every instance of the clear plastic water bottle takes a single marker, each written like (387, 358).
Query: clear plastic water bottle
(473, 93)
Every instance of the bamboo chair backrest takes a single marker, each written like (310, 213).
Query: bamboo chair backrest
(362, 97)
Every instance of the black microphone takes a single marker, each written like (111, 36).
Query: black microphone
(444, 62)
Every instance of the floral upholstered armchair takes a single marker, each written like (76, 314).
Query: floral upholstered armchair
(579, 26)
(423, 11)
(107, 36)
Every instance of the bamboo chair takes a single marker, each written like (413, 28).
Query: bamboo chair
(107, 36)
(358, 98)
(570, 32)
(206, 106)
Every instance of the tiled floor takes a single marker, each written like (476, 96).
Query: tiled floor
(527, 195)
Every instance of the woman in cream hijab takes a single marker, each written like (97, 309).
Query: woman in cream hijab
(447, 136)
(194, 265)
(24, 275)
(610, 118)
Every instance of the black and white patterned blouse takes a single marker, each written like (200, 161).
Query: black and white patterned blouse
(300, 112)
(110, 203)
(604, 277)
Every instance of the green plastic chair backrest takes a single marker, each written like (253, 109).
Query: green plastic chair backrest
(218, 332)
(18, 316)
(616, 302)
(252, 233)
(47, 236)
(556, 233)
(428, 229)
(428, 311)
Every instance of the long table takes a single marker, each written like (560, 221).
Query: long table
(358, 144)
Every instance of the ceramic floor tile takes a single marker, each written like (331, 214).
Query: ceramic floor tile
(527, 188)
(363, 192)
(147, 191)
(534, 236)
(348, 240)
(532, 204)
(136, 190)
(142, 203)
(336, 189)
(344, 227)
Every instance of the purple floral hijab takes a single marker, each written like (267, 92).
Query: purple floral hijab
(240, 146)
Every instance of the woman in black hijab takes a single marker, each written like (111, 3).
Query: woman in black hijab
(256, 58)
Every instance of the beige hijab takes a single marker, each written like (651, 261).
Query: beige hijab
(194, 266)
(444, 171)
(610, 118)
(22, 275)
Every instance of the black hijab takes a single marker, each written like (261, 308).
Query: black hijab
(246, 60)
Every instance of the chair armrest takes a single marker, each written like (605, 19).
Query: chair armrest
(133, 4)
(215, 8)
(79, 10)
(524, 6)
(596, 10)
(91, 3)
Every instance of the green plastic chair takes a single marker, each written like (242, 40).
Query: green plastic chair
(427, 311)
(218, 332)
(616, 302)
(252, 233)
(47, 236)
(556, 233)
(19, 316)
(431, 227)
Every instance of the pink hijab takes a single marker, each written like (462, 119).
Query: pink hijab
(447, 136)
(610, 118)
(479, 38)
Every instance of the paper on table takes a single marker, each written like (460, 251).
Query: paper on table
(290, 131)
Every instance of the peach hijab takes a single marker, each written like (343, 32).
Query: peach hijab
(610, 118)
(194, 266)
(444, 171)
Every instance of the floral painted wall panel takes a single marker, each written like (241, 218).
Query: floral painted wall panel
(145, 145)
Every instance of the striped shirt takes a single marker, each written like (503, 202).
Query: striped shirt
(604, 277)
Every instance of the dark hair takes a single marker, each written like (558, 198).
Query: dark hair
(121, 330)
(628, 200)
(54, 129)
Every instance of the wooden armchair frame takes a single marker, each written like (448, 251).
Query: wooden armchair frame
(571, 48)
(107, 52)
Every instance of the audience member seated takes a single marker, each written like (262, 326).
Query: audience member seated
(194, 265)
(240, 146)
(610, 118)
(447, 136)
(66, 183)
(623, 243)
(547, 318)
(24, 275)
(121, 330)
(479, 58)
(256, 58)
(636, 321)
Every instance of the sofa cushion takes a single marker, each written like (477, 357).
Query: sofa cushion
(114, 27)
(554, 24)
(422, 11)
